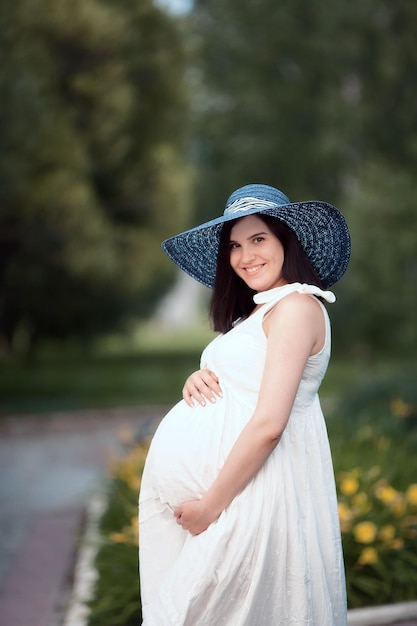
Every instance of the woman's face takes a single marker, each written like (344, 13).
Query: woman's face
(256, 254)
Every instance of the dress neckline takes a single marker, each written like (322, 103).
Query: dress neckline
(277, 293)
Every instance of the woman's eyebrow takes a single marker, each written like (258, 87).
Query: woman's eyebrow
(250, 236)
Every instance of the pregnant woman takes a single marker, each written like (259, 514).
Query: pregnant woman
(238, 511)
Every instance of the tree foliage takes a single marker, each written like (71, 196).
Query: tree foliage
(315, 98)
(273, 101)
(319, 100)
(381, 289)
(92, 104)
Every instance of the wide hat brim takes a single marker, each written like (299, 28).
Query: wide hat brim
(320, 228)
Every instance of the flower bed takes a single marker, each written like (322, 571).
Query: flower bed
(379, 531)
(116, 600)
(375, 463)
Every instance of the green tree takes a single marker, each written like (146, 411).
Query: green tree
(301, 94)
(381, 291)
(273, 108)
(319, 100)
(92, 127)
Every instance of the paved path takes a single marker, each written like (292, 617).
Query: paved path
(49, 469)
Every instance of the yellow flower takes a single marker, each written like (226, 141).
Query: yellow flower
(129, 534)
(345, 513)
(135, 524)
(345, 517)
(129, 469)
(399, 507)
(411, 494)
(349, 486)
(387, 494)
(365, 532)
(368, 556)
(401, 409)
(396, 544)
(387, 533)
(119, 538)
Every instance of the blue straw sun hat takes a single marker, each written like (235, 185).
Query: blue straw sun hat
(320, 228)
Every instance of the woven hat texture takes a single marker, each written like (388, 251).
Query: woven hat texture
(320, 228)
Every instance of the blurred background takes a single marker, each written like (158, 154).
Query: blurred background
(124, 122)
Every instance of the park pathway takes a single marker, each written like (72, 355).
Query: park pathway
(50, 468)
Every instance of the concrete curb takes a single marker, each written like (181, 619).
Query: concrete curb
(385, 614)
(85, 574)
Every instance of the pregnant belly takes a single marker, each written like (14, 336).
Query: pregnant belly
(187, 451)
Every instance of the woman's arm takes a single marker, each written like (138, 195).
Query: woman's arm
(295, 328)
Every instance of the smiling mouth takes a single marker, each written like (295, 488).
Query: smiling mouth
(253, 270)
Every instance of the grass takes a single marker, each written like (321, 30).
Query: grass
(95, 382)
(147, 377)
(149, 369)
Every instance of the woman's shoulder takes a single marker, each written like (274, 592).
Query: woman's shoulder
(297, 302)
(297, 309)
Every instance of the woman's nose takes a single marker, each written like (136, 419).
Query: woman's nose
(247, 254)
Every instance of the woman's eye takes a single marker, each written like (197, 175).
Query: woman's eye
(258, 239)
(233, 246)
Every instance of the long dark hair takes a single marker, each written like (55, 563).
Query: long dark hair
(232, 298)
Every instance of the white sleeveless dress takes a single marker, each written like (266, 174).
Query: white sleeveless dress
(274, 556)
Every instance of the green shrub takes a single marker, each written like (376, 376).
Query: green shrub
(379, 531)
(116, 600)
(373, 434)
(375, 423)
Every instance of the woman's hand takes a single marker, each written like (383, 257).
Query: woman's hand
(195, 516)
(201, 386)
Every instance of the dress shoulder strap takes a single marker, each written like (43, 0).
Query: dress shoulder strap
(273, 296)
